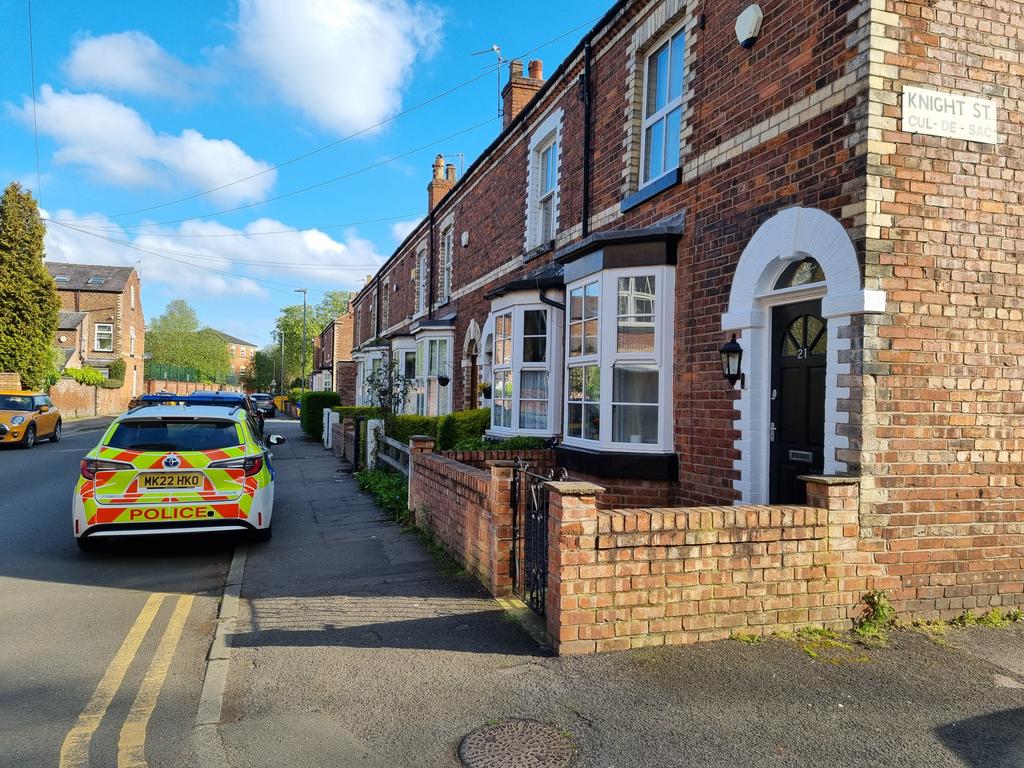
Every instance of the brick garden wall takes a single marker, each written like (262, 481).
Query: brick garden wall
(625, 578)
(467, 509)
(74, 399)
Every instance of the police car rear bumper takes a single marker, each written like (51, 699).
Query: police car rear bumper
(164, 528)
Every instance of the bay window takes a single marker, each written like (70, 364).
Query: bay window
(618, 392)
(524, 343)
(433, 366)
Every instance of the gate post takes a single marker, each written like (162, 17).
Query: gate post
(500, 524)
(572, 561)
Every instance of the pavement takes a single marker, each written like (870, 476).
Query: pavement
(352, 649)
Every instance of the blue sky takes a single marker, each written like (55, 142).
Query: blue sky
(143, 104)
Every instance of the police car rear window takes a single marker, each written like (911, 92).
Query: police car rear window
(158, 435)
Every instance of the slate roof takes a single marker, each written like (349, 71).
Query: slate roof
(113, 279)
(69, 321)
(233, 339)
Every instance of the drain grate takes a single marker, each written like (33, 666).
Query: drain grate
(516, 744)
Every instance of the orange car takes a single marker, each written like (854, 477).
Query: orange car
(26, 417)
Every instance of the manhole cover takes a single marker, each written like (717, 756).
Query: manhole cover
(516, 744)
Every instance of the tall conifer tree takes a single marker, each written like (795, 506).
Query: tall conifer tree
(28, 295)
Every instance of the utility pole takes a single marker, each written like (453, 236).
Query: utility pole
(304, 344)
(280, 338)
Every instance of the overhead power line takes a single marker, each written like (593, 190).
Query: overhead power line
(291, 161)
(301, 190)
(292, 231)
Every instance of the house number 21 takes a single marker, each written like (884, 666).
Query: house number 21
(802, 353)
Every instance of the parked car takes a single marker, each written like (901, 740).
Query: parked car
(173, 468)
(27, 416)
(265, 403)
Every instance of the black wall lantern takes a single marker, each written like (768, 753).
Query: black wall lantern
(732, 358)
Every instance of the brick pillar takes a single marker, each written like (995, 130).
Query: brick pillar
(500, 527)
(418, 445)
(572, 560)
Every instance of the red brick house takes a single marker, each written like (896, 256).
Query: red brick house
(101, 319)
(837, 184)
(242, 352)
(333, 369)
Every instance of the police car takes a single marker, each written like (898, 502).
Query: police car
(176, 465)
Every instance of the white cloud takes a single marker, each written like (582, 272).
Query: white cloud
(194, 265)
(118, 146)
(128, 62)
(344, 63)
(401, 229)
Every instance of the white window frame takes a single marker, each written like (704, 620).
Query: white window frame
(133, 296)
(400, 348)
(661, 115)
(516, 305)
(96, 337)
(427, 373)
(385, 303)
(131, 341)
(547, 224)
(547, 134)
(607, 356)
(447, 255)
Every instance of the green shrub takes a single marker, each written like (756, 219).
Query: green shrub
(462, 425)
(295, 395)
(390, 489)
(401, 428)
(85, 375)
(312, 418)
(356, 411)
(111, 383)
(515, 443)
(117, 369)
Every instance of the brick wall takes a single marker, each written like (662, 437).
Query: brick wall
(10, 381)
(74, 399)
(623, 579)
(467, 509)
(345, 381)
(943, 452)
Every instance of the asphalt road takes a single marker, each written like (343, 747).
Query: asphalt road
(65, 617)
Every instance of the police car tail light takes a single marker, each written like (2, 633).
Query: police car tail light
(251, 464)
(91, 466)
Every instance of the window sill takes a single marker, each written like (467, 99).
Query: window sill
(538, 250)
(652, 189)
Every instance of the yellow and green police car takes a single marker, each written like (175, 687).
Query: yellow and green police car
(179, 466)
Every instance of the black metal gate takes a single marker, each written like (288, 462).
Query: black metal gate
(529, 561)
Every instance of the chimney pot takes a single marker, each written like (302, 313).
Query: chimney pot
(519, 90)
(449, 172)
(439, 167)
(442, 181)
(515, 69)
(536, 69)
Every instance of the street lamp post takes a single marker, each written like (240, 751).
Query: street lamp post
(280, 338)
(303, 292)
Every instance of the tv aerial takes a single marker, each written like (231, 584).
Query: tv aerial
(496, 50)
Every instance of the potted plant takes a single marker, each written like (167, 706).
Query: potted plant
(484, 388)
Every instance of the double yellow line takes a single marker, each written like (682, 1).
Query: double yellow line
(74, 753)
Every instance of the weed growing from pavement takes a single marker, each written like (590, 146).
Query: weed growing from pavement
(872, 628)
(934, 630)
(824, 645)
(749, 639)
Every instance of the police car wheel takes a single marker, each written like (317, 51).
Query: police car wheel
(261, 534)
(86, 544)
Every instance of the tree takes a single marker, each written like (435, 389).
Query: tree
(28, 295)
(333, 305)
(261, 371)
(175, 338)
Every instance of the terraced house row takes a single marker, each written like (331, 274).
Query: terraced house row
(833, 185)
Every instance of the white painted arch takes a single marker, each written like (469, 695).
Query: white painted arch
(791, 235)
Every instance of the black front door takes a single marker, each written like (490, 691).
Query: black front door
(797, 431)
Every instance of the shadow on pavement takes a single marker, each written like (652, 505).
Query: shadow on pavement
(988, 741)
(476, 632)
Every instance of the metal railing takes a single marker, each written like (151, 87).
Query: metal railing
(168, 372)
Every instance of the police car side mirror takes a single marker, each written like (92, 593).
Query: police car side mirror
(275, 439)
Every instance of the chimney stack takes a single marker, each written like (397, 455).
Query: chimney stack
(519, 90)
(441, 183)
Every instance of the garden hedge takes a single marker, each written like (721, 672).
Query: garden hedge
(461, 426)
(402, 428)
(312, 418)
